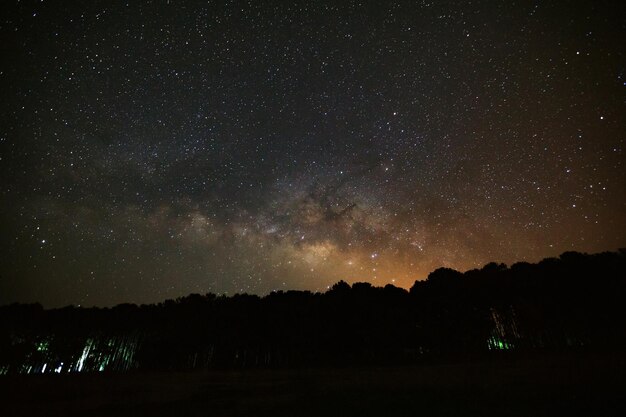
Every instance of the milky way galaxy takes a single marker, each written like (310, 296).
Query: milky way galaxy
(153, 149)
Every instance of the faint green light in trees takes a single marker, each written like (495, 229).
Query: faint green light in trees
(499, 344)
(43, 346)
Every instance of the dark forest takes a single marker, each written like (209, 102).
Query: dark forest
(571, 303)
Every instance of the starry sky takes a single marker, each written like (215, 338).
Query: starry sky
(151, 149)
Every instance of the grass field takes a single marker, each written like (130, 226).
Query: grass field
(581, 385)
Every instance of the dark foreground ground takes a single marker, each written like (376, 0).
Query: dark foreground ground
(576, 384)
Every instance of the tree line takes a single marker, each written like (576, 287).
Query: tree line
(572, 302)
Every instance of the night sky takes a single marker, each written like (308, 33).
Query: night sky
(149, 150)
